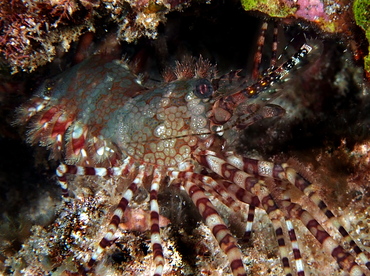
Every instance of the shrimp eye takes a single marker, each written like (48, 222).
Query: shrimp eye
(203, 89)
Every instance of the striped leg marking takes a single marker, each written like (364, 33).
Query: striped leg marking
(158, 258)
(286, 172)
(63, 170)
(277, 217)
(258, 54)
(247, 198)
(228, 193)
(274, 45)
(250, 183)
(219, 229)
(345, 260)
(332, 221)
(296, 252)
(117, 216)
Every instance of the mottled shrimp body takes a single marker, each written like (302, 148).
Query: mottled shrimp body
(163, 126)
(104, 122)
(102, 104)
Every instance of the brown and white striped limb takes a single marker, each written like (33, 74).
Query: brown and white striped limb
(219, 229)
(284, 172)
(277, 218)
(249, 182)
(259, 52)
(332, 221)
(227, 193)
(158, 259)
(63, 170)
(258, 55)
(118, 216)
(245, 197)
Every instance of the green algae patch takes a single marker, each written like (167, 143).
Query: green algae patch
(361, 10)
(270, 7)
(329, 15)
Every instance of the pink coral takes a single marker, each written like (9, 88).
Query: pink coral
(310, 9)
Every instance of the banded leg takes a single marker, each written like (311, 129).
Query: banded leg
(117, 216)
(63, 170)
(61, 173)
(258, 55)
(249, 183)
(260, 44)
(228, 193)
(213, 220)
(277, 217)
(210, 185)
(221, 193)
(239, 193)
(306, 187)
(231, 194)
(285, 172)
(216, 189)
(249, 225)
(155, 237)
(296, 252)
(274, 45)
(247, 198)
(345, 260)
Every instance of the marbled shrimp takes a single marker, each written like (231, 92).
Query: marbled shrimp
(99, 120)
